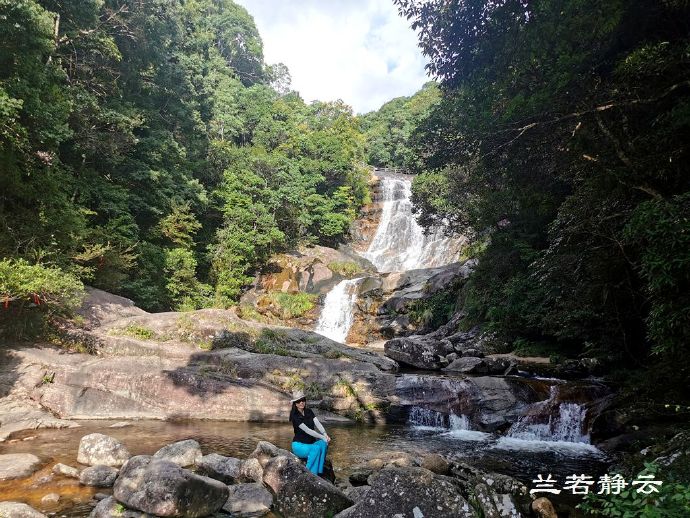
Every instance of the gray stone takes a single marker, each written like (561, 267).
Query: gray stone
(163, 488)
(506, 506)
(357, 493)
(422, 351)
(248, 501)
(65, 470)
(18, 465)
(474, 365)
(298, 492)
(18, 510)
(98, 476)
(467, 365)
(401, 490)
(251, 471)
(265, 451)
(452, 357)
(485, 498)
(98, 449)
(183, 453)
(111, 508)
(225, 469)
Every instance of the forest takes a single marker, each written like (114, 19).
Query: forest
(148, 149)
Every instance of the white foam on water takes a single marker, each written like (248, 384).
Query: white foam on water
(512, 443)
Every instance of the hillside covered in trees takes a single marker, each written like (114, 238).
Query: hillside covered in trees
(146, 148)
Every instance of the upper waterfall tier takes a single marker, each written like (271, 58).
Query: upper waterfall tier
(400, 244)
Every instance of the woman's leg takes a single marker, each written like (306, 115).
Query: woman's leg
(319, 456)
(315, 454)
(301, 450)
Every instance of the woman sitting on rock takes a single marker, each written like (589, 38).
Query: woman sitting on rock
(308, 443)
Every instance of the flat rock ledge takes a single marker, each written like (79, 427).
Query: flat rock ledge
(18, 465)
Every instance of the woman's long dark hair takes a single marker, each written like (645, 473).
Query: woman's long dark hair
(294, 411)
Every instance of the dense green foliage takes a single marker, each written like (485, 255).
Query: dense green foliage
(562, 141)
(671, 501)
(32, 295)
(147, 149)
(388, 130)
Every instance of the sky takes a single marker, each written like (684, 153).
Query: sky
(360, 51)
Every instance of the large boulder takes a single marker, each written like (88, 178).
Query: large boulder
(219, 467)
(163, 488)
(298, 492)
(18, 510)
(474, 365)
(111, 508)
(248, 501)
(18, 465)
(98, 449)
(420, 351)
(410, 492)
(98, 476)
(183, 453)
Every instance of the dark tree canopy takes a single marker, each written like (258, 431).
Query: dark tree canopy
(561, 145)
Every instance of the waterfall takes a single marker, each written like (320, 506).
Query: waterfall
(425, 418)
(567, 426)
(400, 243)
(337, 314)
(458, 425)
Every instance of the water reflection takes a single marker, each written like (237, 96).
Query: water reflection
(351, 445)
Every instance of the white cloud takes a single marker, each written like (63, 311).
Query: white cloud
(360, 51)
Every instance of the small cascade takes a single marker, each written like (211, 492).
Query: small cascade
(338, 311)
(459, 422)
(400, 244)
(565, 426)
(425, 418)
(452, 425)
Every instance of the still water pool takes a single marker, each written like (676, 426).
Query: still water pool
(351, 445)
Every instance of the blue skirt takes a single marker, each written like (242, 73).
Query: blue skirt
(315, 454)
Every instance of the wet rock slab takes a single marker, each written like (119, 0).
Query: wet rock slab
(18, 465)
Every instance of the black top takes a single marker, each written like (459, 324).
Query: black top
(297, 419)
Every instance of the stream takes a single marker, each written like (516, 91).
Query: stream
(351, 445)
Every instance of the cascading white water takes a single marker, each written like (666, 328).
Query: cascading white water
(400, 243)
(425, 418)
(337, 314)
(567, 426)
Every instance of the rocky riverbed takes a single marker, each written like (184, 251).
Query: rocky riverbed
(184, 478)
